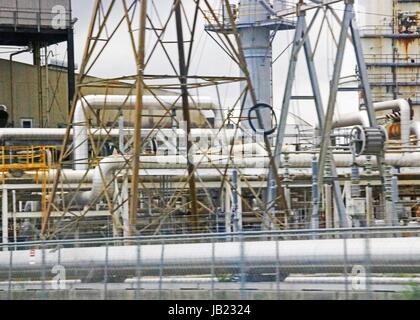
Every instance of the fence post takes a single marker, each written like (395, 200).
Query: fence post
(5, 219)
(213, 275)
(367, 266)
(242, 265)
(43, 271)
(9, 292)
(277, 269)
(346, 285)
(138, 272)
(161, 268)
(106, 273)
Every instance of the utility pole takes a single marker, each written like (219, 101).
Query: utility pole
(138, 117)
(183, 70)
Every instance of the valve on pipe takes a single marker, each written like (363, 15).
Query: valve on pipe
(254, 122)
(367, 140)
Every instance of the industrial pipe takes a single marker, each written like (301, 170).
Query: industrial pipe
(415, 128)
(306, 256)
(361, 117)
(102, 181)
(405, 110)
(104, 172)
(105, 102)
(50, 134)
(351, 119)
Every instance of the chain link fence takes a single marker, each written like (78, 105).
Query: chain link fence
(356, 263)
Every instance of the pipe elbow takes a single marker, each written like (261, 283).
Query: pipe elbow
(351, 119)
(102, 182)
(415, 128)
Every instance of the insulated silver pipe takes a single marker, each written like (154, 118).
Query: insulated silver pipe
(306, 256)
(102, 181)
(361, 117)
(110, 102)
(104, 173)
(405, 111)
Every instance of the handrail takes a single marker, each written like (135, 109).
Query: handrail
(26, 158)
(345, 232)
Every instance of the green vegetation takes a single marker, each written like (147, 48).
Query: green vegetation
(225, 278)
(413, 293)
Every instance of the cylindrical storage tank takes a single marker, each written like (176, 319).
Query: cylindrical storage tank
(258, 55)
(251, 11)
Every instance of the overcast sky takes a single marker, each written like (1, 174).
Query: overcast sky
(209, 59)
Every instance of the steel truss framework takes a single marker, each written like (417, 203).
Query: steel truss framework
(135, 16)
(301, 40)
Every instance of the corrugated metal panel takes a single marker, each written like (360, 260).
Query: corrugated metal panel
(33, 13)
(28, 13)
(8, 12)
(47, 7)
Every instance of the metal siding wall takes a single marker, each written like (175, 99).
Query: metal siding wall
(6, 14)
(30, 11)
(26, 93)
(380, 49)
(47, 7)
(9, 4)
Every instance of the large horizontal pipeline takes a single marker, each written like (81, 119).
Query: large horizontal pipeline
(49, 134)
(306, 256)
(205, 174)
(105, 171)
(117, 102)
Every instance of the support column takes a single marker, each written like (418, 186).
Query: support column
(256, 44)
(138, 117)
(336, 214)
(329, 219)
(183, 73)
(370, 219)
(71, 79)
(116, 213)
(125, 208)
(315, 194)
(5, 218)
(228, 209)
(395, 198)
(288, 196)
(37, 63)
(14, 216)
(236, 202)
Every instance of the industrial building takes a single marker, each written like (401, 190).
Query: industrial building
(157, 173)
(23, 111)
